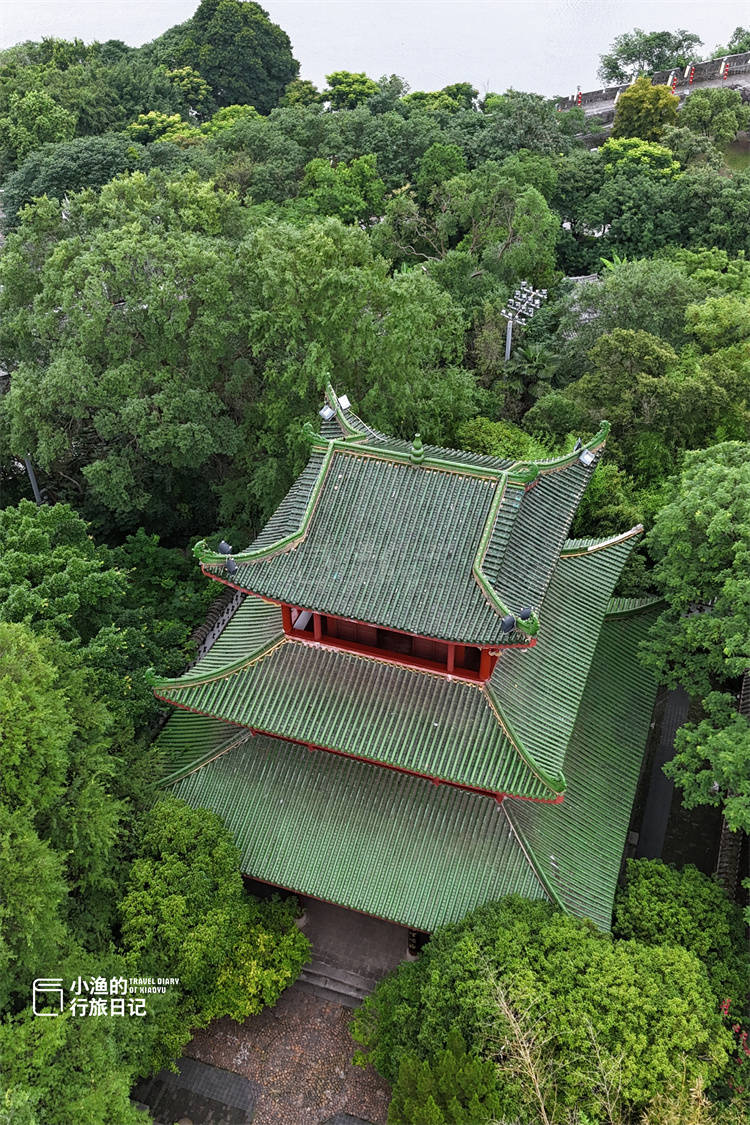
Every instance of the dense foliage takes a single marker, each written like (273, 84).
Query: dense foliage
(186, 914)
(515, 978)
(659, 905)
(196, 242)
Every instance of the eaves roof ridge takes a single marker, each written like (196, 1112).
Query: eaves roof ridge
(532, 860)
(573, 548)
(552, 464)
(171, 692)
(197, 679)
(207, 557)
(555, 783)
(628, 607)
(237, 737)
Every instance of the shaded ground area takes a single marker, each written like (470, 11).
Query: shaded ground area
(667, 830)
(299, 1055)
(200, 1094)
(370, 946)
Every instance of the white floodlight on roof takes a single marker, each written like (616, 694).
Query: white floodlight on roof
(587, 458)
(326, 412)
(344, 402)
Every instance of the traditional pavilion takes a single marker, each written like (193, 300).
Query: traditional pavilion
(428, 696)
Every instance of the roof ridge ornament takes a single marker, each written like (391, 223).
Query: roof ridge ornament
(416, 454)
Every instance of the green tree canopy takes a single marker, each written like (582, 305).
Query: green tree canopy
(712, 763)
(457, 1088)
(354, 192)
(33, 120)
(347, 89)
(232, 44)
(186, 914)
(701, 544)
(659, 905)
(717, 113)
(644, 110)
(644, 1015)
(641, 52)
(32, 931)
(627, 154)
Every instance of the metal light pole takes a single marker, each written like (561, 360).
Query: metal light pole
(520, 308)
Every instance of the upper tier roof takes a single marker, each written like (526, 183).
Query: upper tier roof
(425, 540)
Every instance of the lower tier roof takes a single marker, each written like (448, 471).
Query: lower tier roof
(400, 847)
(360, 835)
(577, 846)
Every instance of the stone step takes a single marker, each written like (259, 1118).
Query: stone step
(327, 994)
(340, 984)
(337, 973)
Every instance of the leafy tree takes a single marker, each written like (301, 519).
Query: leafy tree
(640, 52)
(233, 45)
(86, 162)
(719, 322)
(155, 126)
(182, 282)
(649, 295)
(439, 163)
(346, 89)
(353, 192)
(301, 91)
(716, 113)
(32, 931)
(656, 407)
(74, 593)
(499, 439)
(195, 93)
(186, 913)
(391, 89)
(117, 613)
(644, 111)
(457, 1088)
(609, 504)
(36, 727)
(712, 763)
(738, 43)
(32, 120)
(659, 905)
(644, 1014)
(692, 150)
(518, 120)
(529, 169)
(505, 231)
(700, 544)
(632, 154)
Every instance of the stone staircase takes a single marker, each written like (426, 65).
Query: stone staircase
(330, 982)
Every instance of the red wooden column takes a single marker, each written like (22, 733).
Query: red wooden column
(484, 664)
(286, 618)
(317, 628)
(451, 661)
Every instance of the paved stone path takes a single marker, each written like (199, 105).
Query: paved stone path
(299, 1053)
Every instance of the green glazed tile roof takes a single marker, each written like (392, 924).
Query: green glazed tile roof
(440, 544)
(538, 534)
(539, 689)
(384, 712)
(586, 833)
(392, 544)
(367, 838)
(189, 741)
